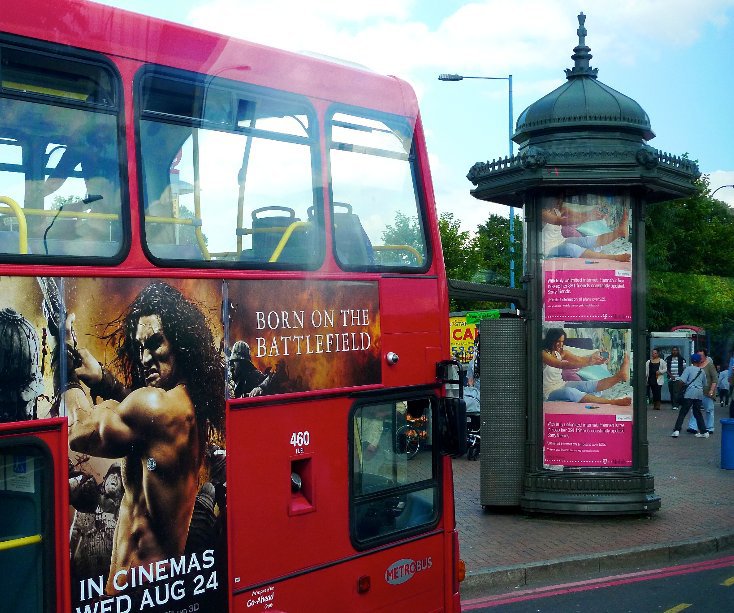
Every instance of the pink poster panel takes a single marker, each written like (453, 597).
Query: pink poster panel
(590, 439)
(587, 258)
(595, 293)
(587, 397)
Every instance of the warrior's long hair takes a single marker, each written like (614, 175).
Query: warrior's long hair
(198, 361)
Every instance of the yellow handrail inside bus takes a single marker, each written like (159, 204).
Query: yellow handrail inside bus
(20, 542)
(268, 230)
(50, 91)
(55, 213)
(408, 248)
(197, 195)
(22, 225)
(296, 225)
(187, 221)
(182, 221)
(202, 243)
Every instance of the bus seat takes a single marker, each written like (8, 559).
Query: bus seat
(267, 230)
(353, 246)
(298, 248)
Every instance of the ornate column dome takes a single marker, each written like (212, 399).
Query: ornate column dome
(583, 102)
(583, 133)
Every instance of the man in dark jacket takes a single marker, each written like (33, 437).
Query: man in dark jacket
(676, 364)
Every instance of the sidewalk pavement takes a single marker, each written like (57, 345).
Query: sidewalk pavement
(507, 550)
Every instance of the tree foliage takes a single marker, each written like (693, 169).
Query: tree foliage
(691, 235)
(481, 257)
(494, 245)
(405, 230)
(685, 298)
(690, 261)
(461, 253)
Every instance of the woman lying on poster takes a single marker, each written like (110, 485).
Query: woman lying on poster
(556, 358)
(556, 245)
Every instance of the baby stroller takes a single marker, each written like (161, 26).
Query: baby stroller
(473, 435)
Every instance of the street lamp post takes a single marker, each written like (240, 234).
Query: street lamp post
(508, 78)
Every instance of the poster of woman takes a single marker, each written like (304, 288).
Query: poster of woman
(587, 258)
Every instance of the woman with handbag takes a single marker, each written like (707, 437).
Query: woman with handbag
(655, 369)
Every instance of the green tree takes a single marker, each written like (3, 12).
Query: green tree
(691, 235)
(494, 245)
(461, 253)
(690, 261)
(62, 201)
(405, 230)
(684, 298)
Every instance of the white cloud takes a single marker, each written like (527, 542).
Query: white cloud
(471, 212)
(494, 36)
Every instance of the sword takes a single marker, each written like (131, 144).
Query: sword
(55, 315)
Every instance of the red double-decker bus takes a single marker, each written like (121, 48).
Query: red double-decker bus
(223, 327)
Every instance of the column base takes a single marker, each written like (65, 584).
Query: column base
(589, 494)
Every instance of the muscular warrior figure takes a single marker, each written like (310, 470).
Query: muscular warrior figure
(159, 429)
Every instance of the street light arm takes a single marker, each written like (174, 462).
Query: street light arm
(718, 188)
(450, 77)
(460, 77)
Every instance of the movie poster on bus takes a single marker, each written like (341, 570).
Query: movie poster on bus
(145, 398)
(587, 258)
(587, 397)
(294, 336)
(26, 348)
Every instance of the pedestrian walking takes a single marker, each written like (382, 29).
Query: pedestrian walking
(694, 378)
(712, 377)
(724, 376)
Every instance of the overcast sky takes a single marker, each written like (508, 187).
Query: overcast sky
(675, 57)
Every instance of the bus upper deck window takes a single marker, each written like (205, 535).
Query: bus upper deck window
(59, 162)
(229, 174)
(376, 209)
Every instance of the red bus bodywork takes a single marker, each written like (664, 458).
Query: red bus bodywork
(286, 550)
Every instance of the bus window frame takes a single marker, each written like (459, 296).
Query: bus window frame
(116, 108)
(48, 504)
(417, 177)
(257, 92)
(435, 482)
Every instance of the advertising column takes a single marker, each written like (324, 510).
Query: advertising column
(586, 331)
